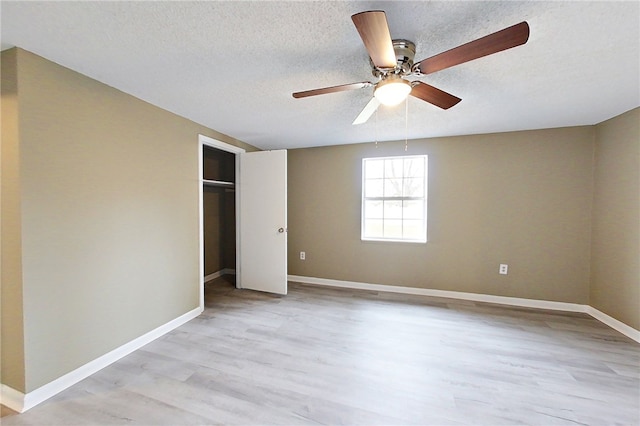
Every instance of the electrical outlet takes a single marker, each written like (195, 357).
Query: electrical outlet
(503, 269)
(303, 255)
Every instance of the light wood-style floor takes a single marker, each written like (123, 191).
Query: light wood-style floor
(337, 356)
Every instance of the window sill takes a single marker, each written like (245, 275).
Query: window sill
(391, 240)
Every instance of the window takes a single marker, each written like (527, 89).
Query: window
(394, 199)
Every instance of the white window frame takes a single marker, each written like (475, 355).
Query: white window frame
(395, 198)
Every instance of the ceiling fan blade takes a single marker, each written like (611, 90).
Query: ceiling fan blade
(367, 112)
(433, 95)
(332, 89)
(374, 32)
(513, 36)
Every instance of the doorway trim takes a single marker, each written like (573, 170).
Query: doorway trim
(223, 146)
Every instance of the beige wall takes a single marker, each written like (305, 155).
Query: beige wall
(615, 263)
(11, 331)
(520, 198)
(108, 188)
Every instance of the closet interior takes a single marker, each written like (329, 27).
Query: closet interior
(219, 214)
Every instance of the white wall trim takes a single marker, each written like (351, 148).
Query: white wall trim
(201, 222)
(476, 297)
(20, 402)
(9, 397)
(614, 323)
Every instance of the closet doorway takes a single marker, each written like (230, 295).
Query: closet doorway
(219, 165)
(246, 191)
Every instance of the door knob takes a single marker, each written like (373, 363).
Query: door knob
(280, 230)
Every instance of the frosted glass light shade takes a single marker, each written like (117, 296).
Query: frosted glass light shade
(392, 91)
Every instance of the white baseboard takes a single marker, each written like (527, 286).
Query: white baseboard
(9, 397)
(476, 297)
(218, 274)
(21, 402)
(614, 323)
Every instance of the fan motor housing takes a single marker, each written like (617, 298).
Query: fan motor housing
(405, 51)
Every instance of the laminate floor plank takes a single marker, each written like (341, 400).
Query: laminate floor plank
(337, 356)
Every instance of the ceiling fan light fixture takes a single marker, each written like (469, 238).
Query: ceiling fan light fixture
(392, 91)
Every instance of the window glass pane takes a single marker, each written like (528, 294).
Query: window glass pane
(394, 198)
(393, 209)
(393, 168)
(393, 228)
(374, 168)
(413, 187)
(373, 209)
(373, 228)
(393, 187)
(414, 167)
(413, 209)
(373, 187)
(413, 229)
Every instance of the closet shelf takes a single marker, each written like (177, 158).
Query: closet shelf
(218, 183)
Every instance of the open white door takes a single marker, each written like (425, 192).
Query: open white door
(263, 218)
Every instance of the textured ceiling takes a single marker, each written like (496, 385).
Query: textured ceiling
(232, 66)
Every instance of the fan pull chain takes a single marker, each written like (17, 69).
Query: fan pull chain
(376, 126)
(406, 124)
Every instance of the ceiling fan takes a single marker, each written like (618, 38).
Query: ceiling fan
(392, 62)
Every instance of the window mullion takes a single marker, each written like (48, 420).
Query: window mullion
(394, 198)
